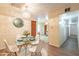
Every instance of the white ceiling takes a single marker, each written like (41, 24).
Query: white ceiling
(43, 8)
(50, 8)
(34, 8)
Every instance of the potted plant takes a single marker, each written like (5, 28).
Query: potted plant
(26, 33)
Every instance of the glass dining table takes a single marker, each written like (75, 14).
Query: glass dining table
(24, 42)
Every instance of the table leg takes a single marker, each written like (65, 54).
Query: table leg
(19, 46)
(25, 50)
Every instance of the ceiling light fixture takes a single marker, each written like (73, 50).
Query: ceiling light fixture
(26, 15)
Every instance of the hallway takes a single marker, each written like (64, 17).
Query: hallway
(44, 38)
(70, 44)
(55, 51)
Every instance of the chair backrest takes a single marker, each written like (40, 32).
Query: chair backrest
(37, 37)
(6, 45)
(10, 48)
(38, 49)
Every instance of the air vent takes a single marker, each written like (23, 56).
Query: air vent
(67, 9)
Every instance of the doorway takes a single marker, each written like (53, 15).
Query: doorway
(70, 37)
(33, 28)
(42, 28)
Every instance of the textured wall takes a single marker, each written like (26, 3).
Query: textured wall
(10, 32)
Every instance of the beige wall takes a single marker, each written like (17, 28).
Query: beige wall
(10, 32)
(53, 31)
(7, 30)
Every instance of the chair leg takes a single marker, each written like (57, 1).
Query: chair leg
(20, 46)
(32, 53)
(15, 53)
(38, 54)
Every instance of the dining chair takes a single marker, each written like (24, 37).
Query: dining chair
(37, 51)
(35, 48)
(12, 49)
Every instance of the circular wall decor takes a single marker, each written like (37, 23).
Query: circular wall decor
(18, 22)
